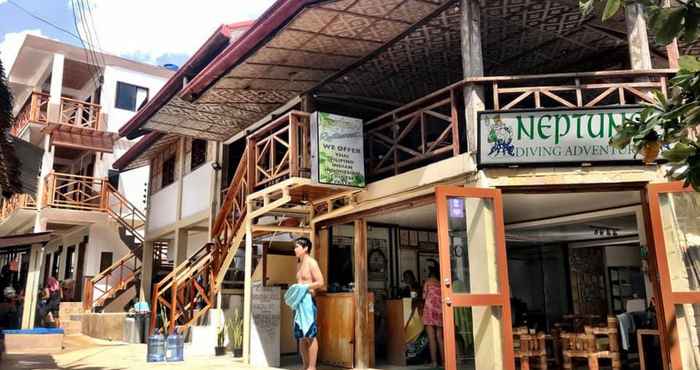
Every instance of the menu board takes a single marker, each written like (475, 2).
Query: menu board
(265, 326)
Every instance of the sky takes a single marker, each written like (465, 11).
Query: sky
(151, 31)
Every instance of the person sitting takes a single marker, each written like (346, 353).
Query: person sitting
(51, 300)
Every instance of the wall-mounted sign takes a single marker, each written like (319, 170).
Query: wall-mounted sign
(337, 155)
(552, 136)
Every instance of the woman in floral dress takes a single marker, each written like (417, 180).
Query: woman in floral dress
(432, 315)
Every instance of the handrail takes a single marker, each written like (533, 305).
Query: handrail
(78, 113)
(519, 78)
(194, 279)
(14, 203)
(35, 109)
(128, 267)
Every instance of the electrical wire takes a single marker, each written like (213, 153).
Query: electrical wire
(41, 19)
(89, 53)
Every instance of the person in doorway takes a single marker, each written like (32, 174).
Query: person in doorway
(300, 298)
(52, 295)
(432, 315)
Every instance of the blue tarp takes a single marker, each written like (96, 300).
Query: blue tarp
(35, 331)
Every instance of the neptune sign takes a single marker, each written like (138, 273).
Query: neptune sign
(552, 136)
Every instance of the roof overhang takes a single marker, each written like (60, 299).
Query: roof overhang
(80, 138)
(292, 48)
(25, 239)
(141, 153)
(211, 47)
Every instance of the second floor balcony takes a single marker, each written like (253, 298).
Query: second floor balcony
(69, 112)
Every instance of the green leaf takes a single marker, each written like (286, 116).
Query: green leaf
(670, 24)
(689, 63)
(679, 153)
(611, 8)
(692, 25)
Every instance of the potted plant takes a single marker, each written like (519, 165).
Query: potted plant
(220, 350)
(234, 325)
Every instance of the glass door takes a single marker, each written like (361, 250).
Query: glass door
(675, 220)
(474, 279)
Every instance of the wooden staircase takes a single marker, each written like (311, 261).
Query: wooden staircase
(124, 274)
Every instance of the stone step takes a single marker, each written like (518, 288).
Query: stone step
(72, 327)
(66, 309)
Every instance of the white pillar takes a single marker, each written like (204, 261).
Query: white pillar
(31, 291)
(180, 246)
(247, 290)
(637, 37)
(46, 168)
(472, 66)
(146, 272)
(56, 90)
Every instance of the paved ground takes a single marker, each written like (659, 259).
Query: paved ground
(85, 353)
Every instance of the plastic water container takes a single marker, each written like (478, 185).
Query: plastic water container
(156, 348)
(175, 348)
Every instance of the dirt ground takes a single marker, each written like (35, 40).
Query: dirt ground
(85, 353)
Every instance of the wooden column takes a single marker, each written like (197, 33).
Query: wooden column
(308, 104)
(146, 272)
(472, 66)
(31, 291)
(247, 289)
(362, 350)
(672, 48)
(637, 37)
(321, 246)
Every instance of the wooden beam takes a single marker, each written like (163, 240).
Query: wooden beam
(362, 350)
(281, 229)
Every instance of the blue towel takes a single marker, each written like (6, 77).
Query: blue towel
(299, 299)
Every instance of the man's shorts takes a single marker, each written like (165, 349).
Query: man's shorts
(313, 330)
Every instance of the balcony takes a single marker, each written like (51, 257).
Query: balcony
(72, 112)
(14, 203)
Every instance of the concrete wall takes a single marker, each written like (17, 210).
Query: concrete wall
(196, 190)
(163, 207)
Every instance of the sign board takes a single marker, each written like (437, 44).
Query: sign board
(265, 326)
(552, 136)
(337, 150)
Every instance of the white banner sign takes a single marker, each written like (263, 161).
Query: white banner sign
(552, 136)
(337, 155)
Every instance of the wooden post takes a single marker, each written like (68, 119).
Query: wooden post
(472, 66)
(637, 38)
(672, 48)
(321, 246)
(31, 291)
(252, 160)
(293, 146)
(362, 350)
(308, 104)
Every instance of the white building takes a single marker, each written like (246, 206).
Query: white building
(71, 102)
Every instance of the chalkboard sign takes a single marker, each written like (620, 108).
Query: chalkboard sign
(265, 326)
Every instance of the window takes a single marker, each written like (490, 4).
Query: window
(199, 153)
(130, 97)
(106, 260)
(56, 262)
(168, 172)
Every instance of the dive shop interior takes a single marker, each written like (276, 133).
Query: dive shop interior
(577, 279)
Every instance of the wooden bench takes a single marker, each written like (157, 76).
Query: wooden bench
(591, 345)
(529, 346)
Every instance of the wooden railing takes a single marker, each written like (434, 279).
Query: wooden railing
(112, 280)
(186, 293)
(71, 112)
(79, 113)
(433, 127)
(15, 202)
(63, 190)
(281, 150)
(34, 110)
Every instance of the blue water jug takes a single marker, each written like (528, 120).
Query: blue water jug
(175, 348)
(156, 348)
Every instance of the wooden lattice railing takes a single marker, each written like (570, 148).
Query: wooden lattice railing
(79, 113)
(108, 283)
(186, 293)
(34, 110)
(281, 150)
(71, 112)
(15, 202)
(433, 127)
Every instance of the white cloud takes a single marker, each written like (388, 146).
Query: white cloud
(9, 46)
(158, 27)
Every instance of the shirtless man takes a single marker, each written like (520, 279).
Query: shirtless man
(307, 273)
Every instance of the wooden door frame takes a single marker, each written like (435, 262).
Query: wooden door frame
(667, 298)
(453, 300)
